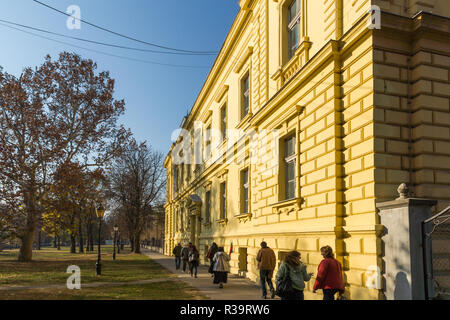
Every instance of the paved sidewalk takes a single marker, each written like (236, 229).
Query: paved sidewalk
(236, 288)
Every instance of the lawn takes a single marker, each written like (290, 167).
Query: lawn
(166, 290)
(49, 267)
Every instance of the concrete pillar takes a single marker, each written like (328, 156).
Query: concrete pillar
(402, 245)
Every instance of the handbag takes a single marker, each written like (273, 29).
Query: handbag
(284, 286)
(211, 268)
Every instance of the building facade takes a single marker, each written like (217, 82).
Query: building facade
(313, 112)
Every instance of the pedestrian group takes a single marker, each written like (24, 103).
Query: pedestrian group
(290, 278)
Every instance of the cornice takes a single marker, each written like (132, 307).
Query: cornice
(221, 93)
(241, 62)
(235, 31)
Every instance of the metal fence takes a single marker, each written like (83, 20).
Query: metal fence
(436, 235)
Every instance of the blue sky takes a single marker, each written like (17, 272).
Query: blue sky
(157, 97)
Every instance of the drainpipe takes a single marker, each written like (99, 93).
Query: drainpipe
(339, 19)
(410, 129)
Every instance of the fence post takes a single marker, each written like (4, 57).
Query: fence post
(403, 255)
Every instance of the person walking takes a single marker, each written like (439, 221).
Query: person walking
(177, 253)
(296, 270)
(194, 257)
(329, 275)
(266, 265)
(185, 256)
(211, 252)
(221, 267)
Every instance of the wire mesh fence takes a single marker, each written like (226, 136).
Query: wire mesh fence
(440, 239)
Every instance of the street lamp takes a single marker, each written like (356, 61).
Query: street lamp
(100, 211)
(116, 228)
(118, 242)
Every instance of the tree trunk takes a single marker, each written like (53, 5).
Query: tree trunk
(88, 238)
(59, 243)
(73, 245)
(26, 248)
(132, 245)
(39, 241)
(92, 240)
(54, 242)
(80, 237)
(137, 243)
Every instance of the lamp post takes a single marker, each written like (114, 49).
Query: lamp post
(118, 242)
(115, 237)
(100, 211)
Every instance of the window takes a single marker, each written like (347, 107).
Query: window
(294, 14)
(188, 172)
(245, 191)
(208, 142)
(175, 178)
(223, 123)
(289, 167)
(208, 207)
(245, 87)
(197, 149)
(182, 174)
(181, 220)
(223, 200)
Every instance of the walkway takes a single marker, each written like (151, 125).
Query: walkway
(236, 288)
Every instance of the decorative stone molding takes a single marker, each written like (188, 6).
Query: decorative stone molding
(222, 175)
(241, 62)
(207, 185)
(287, 206)
(300, 58)
(221, 93)
(244, 217)
(403, 192)
(222, 222)
(245, 4)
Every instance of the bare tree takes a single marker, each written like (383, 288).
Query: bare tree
(137, 182)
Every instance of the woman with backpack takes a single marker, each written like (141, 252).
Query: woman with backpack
(221, 267)
(329, 275)
(194, 257)
(291, 276)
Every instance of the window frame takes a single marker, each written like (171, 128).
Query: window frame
(245, 95)
(223, 200)
(292, 23)
(289, 159)
(224, 121)
(208, 206)
(245, 189)
(208, 141)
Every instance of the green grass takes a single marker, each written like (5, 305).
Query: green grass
(167, 290)
(49, 267)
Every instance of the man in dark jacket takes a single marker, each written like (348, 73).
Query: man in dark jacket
(185, 256)
(266, 264)
(177, 253)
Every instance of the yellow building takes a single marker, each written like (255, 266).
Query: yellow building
(325, 112)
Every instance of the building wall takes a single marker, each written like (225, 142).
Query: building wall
(345, 96)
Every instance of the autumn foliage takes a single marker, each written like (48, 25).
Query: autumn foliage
(58, 124)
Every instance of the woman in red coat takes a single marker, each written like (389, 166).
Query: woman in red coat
(329, 275)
